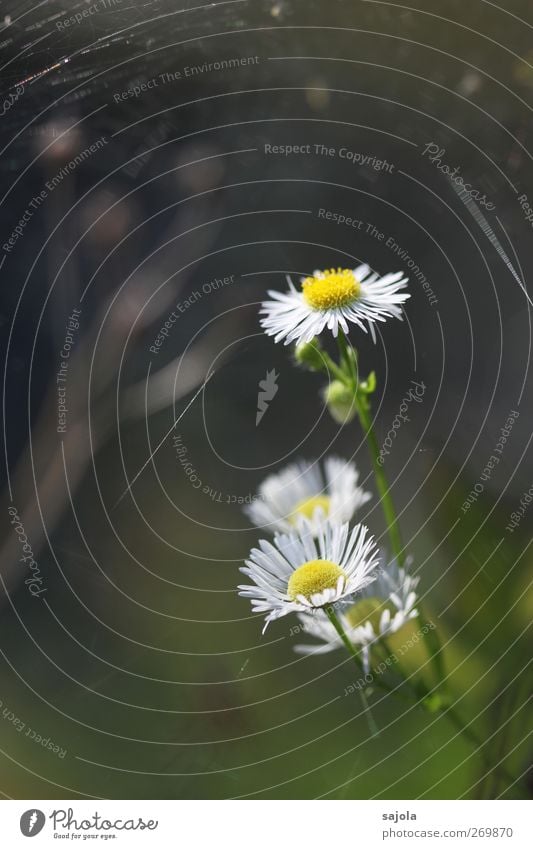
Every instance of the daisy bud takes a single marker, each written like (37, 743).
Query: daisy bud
(309, 355)
(340, 402)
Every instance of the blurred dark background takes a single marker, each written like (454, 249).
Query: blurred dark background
(152, 124)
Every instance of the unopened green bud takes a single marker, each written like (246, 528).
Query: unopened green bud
(309, 354)
(340, 402)
(369, 385)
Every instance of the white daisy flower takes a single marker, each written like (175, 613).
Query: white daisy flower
(332, 299)
(305, 491)
(383, 609)
(300, 572)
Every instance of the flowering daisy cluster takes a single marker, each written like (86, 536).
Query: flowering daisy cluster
(317, 559)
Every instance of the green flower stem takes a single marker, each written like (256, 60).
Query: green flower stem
(347, 372)
(465, 730)
(424, 699)
(331, 367)
(421, 699)
(333, 618)
(362, 403)
(431, 638)
(349, 361)
(387, 504)
(420, 691)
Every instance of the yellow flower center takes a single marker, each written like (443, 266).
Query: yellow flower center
(368, 610)
(334, 289)
(314, 577)
(308, 506)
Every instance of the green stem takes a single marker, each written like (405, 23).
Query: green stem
(472, 737)
(332, 367)
(445, 710)
(363, 411)
(420, 692)
(387, 503)
(335, 621)
(467, 732)
(362, 403)
(455, 719)
(349, 375)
